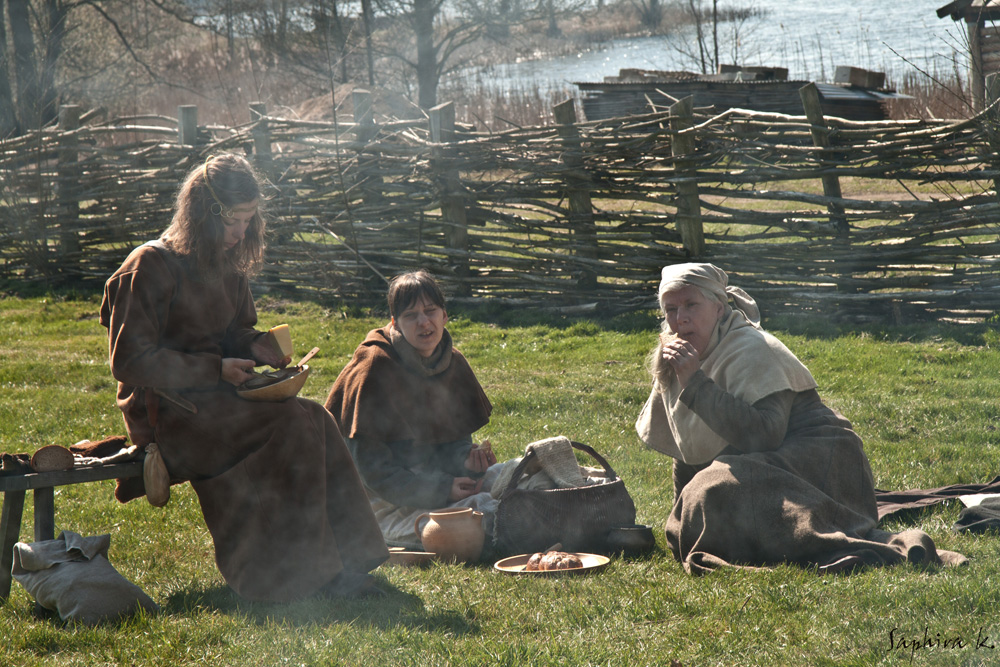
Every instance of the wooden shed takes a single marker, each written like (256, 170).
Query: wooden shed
(980, 18)
(855, 93)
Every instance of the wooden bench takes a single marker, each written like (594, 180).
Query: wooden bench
(43, 484)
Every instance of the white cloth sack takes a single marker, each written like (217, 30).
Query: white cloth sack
(555, 467)
(71, 576)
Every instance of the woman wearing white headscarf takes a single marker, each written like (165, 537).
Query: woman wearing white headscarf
(764, 471)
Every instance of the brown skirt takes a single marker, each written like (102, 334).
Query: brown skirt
(279, 491)
(811, 502)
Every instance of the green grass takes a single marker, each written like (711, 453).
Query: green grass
(923, 398)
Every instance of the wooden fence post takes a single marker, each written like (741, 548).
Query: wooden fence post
(264, 160)
(66, 189)
(187, 125)
(979, 91)
(688, 201)
(581, 212)
(263, 157)
(365, 131)
(992, 94)
(809, 95)
(442, 129)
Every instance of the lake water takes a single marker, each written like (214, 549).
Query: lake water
(809, 37)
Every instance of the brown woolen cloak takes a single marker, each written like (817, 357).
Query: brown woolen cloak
(279, 491)
(377, 398)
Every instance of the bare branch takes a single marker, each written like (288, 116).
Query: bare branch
(128, 46)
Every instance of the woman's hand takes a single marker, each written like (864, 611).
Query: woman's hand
(480, 457)
(237, 371)
(265, 353)
(683, 358)
(463, 487)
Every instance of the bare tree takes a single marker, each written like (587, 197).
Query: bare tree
(434, 40)
(438, 33)
(8, 114)
(37, 59)
(735, 24)
(496, 15)
(32, 72)
(650, 12)
(312, 43)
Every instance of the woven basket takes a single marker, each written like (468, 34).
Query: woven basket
(579, 518)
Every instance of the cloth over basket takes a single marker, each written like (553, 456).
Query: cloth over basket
(579, 518)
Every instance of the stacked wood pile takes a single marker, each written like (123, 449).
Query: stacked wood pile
(573, 216)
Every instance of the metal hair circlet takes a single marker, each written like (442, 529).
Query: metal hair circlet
(218, 208)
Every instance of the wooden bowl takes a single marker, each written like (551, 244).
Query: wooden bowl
(631, 540)
(400, 556)
(516, 565)
(287, 384)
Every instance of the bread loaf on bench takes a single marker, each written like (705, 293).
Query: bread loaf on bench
(52, 457)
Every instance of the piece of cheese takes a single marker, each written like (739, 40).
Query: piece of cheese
(281, 337)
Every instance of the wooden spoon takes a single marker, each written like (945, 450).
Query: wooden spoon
(310, 355)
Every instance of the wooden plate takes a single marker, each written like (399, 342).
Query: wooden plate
(515, 564)
(400, 556)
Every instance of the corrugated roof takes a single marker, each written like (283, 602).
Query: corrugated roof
(833, 91)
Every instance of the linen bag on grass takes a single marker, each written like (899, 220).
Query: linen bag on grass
(71, 576)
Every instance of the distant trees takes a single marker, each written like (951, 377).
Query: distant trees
(51, 49)
(58, 51)
(108, 51)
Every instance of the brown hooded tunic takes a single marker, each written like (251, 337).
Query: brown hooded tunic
(401, 420)
(278, 489)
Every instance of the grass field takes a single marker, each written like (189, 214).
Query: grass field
(923, 399)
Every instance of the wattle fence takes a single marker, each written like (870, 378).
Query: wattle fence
(878, 220)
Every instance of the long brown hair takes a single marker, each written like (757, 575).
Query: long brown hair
(197, 230)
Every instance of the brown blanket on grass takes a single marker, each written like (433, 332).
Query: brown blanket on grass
(890, 502)
(811, 502)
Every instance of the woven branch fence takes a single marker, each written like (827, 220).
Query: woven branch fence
(885, 221)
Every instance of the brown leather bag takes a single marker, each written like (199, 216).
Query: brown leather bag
(155, 477)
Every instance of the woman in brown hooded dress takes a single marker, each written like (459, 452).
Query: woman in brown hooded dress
(408, 404)
(280, 494)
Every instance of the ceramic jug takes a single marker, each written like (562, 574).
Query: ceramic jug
(452, 533)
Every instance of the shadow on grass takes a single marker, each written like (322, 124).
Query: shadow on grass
(396, 609)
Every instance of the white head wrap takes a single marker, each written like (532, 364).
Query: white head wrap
(712, 279)
(741, 358)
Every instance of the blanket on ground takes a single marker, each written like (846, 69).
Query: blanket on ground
(891, 502)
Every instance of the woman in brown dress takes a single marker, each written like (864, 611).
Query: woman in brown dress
(280, 494)
(764, 471)
(407, 404)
